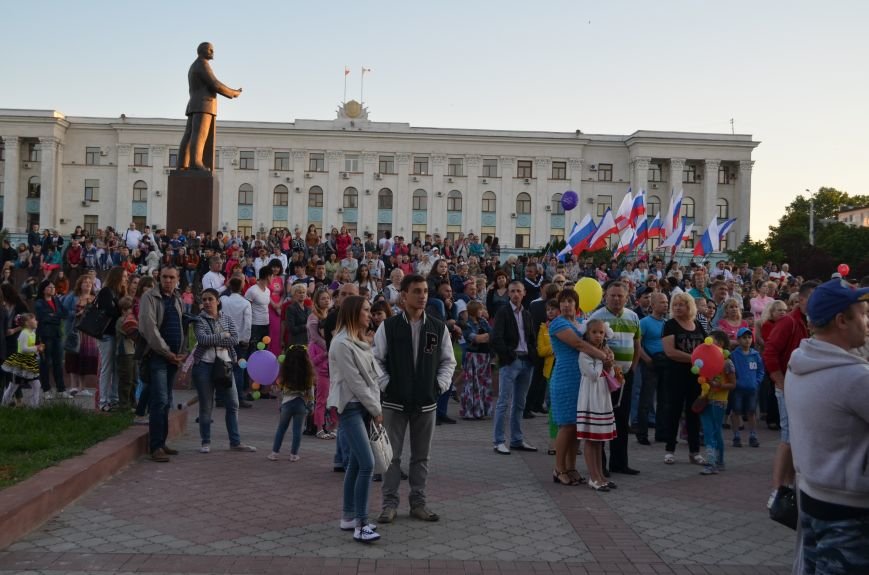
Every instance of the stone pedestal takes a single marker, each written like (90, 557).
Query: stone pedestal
(192, 201)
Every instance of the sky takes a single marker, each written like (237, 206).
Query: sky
(793, 74)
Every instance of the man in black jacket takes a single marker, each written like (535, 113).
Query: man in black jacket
(515, 344)
(415, 355)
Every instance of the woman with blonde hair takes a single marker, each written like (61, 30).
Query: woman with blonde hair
(81, 357)
(681, 334)
(320, 359)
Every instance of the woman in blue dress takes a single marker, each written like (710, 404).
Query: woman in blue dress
(567, 342)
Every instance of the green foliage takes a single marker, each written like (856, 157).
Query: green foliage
(756, 253)
(33, 439)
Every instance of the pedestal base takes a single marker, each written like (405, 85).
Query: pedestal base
(192, 202)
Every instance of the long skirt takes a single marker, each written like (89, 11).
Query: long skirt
(86, 360)
(476, 400)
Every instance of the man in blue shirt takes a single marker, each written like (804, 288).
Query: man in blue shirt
(652, 365)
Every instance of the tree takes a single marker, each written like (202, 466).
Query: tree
(756, 253)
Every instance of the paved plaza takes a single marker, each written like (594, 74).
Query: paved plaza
(229, 512)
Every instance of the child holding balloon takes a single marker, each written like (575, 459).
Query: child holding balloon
(296, 382)
(714, 390)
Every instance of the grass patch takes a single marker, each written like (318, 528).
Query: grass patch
(33, 439)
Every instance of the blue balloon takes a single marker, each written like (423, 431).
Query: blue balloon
(569, 200)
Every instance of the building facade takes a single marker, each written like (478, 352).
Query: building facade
(59, 172)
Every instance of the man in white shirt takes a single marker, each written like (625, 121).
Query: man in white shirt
(238, 308)
(278, 255)
(262, 260)
(214, 279)
(351, 264)
(259, 295)
(375, 266)
(132, 237)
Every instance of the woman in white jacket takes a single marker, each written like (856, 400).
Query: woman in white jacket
(354, 391)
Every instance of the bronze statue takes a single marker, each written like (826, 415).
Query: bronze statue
(197, 146)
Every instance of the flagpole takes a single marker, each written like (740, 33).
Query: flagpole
(346, 73)
(362, 88)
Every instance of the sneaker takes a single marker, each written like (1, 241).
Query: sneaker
(501, 449)
(350, 525)
(424, 513)
(206, 448)
(47, 395)
(737, 442)
(159, 456)
(709, 470)
(387, 515)
(65, 395)
(365, 535)
(273, 456)
(323, 434)
(242, 447)
(294, 457)
(140, 420)
(86, 393)
(696, 459)
(73, 391)
(669, 458)
(753, 442)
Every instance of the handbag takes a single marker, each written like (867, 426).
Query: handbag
(784, 507)
(221, 369)
(611, 381)
(700, 404)
(95, 321)
(380, 447)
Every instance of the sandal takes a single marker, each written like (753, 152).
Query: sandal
(575, 475)
(602, 487)
(562, 477)
(669, 459)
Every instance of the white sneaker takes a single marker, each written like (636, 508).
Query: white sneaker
(365, 535)
(206, 448)
(86, 393)
(65, 395)
(243, 447)
(502, 449)
(47, 395)
(350, 525)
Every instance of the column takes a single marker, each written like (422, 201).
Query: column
(228, 190)
(402, 206)
(123, 197)
(574, 166)
(541, 196)
(473, 199)
(710, 191)
(298, 207)
(263, 190)
(437, 209)
(743, 224)
(157, 207)
(368, 197)
(58, 182)
(48, 181)
(333, 195)
(639, 177)
(506, 204)
(677, 166)
(12, 219)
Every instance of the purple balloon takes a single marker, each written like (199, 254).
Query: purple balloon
(569, 200)
(262, 366)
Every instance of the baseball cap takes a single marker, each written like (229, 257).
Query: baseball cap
(742, 331)
(832, 298)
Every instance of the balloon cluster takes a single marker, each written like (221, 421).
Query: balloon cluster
(262, 366)
(707, 360)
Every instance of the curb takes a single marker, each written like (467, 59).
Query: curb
(27, 505)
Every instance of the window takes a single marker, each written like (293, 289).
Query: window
(652, 244)
(91, 224)
(173, 158)
(490, 167)
(604, 203)
(420, 200)
(91, 190)
(722, 243)
(556, 237)
(688, 243)
(523, 203)
(245, 195)
(245, 228)
(245, 160)
(653, 206)
(2, 152)
(34, 153)
(689, 174)
(281, 196)
(33, 187)
(654, 174)
(316, 162)
(351, 198)
(140, 156)
(523, 238)
(524, 168)
(556, 207)
(489, 202)
(92, 156)
(456, 167)
(351, 162)
(282, 161)
(559, 170)
(723, 174)
(386, 165)
(454, 201)
(722, 208)
(687, 208)
(384, 199)
(420, 165)
(315, 197)
(604, 172)
(140, 191)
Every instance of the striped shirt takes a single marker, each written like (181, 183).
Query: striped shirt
(626, 329)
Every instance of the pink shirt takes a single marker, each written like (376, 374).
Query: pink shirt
(758, 304)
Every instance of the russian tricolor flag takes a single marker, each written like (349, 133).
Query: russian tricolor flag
(606, 228)
(709, 240)
(671, 223)
(577, 241)
(725, 227)
(638, 209)
(642, 233)
(656, 228)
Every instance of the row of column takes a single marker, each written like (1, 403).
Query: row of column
(49, 176)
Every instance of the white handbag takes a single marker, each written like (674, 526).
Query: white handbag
(380, 447)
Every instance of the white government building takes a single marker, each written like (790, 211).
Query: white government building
(59, 172)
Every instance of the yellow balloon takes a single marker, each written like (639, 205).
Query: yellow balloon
(590, 294)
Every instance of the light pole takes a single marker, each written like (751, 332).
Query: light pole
(811, 219)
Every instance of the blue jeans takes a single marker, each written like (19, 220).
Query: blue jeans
(161, 374)
(357, 480)
(294, 411)
(189, 275)
(238, 375)
(205, 390)
(712, 418)
(342, 450)
(833, 546)
(515, 378)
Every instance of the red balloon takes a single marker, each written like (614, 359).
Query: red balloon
(712, 358)
(844, 270)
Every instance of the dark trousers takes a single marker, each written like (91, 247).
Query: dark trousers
(680, 392)
(618, 457)
(126, 381)
(653, 376)
(52, 363)
(161, 374)
(537, 391)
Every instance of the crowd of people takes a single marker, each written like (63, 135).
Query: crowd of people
(388, 331)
